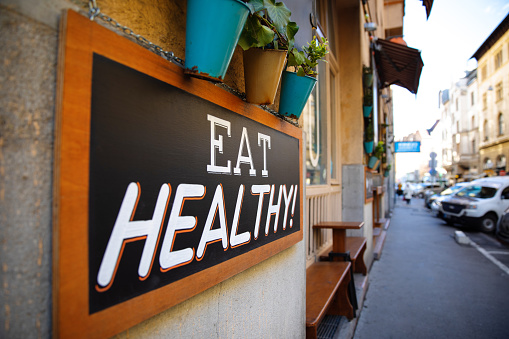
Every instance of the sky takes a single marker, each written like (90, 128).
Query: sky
(447, 41)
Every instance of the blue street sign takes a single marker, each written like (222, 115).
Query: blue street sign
(407, 146)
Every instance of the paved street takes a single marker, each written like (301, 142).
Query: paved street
(428, 286)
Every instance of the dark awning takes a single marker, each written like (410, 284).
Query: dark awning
(428, 4)
(398, 64)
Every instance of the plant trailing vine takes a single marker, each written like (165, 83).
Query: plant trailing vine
(379, 150)
(306, 61)
(268, 26)
(369, 134)
(368, 96)
(367, 76)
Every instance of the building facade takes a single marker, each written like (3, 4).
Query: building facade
(264, 300)
(493, 71)
(460, 136)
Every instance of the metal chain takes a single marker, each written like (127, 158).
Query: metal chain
(95, 12)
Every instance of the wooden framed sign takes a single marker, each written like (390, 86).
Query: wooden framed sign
(165, 185)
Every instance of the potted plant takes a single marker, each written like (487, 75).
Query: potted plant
(367, 76)
(297, 86)
(213, 29)
(387, 170)
(367, 102)
(267, 36)
(374, 160)
(369, 135)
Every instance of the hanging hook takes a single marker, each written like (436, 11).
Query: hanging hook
(93, 10)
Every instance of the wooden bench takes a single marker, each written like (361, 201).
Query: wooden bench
(356, 246)
(326, 293)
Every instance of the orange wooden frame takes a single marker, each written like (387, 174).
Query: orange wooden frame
(79, 39)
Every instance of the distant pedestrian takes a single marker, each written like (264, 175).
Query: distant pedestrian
(408, 194)
(399, 191)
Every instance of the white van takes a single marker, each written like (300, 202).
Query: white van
(481, 203)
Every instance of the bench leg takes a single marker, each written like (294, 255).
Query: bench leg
(359, 265)
(341, 304)
(311, 332)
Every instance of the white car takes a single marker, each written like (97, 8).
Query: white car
(435, 200)
(481, 203)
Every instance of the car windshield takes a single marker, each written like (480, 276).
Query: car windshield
(451, 190)
(477, 191)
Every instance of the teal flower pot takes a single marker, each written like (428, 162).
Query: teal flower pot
(367, 111)
(386, 173)
(295, 91)
(213, 29)
(373, 162)
(368, 79)
(368, 147)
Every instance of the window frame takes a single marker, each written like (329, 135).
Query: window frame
(498, 59)
(501, 125)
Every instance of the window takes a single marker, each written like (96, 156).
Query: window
(483, 73)
(498, 59)
(334, 130)
(485, 129)
(477, 191)
(473, 147)
(485, 101)
(457, 105)
(473, 122)
(472, 99)
(315, 125)
(499, 91)
(505, 193)
(500, 124)
(501, 162)
(487, 164)
(458, 126)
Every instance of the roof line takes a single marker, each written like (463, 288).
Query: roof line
(492, 39)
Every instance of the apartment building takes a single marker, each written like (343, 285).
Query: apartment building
(493, 87)
(460, 129)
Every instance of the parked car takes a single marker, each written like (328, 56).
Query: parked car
(424, 187)
(431, 201)
(503, 227)
(480, 204)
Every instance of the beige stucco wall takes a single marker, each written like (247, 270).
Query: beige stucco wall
(350, 50)
(496, 144)
(267, 300)
(393, 14)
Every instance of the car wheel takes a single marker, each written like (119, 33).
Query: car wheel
(488, 223)
(503, 229)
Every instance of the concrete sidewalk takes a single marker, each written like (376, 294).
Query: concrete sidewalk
(428, 286)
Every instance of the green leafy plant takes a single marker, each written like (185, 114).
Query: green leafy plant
(369, 133)
(305, 61)
(268, 26)
(379, 149)
(368, 96)
(367, 76)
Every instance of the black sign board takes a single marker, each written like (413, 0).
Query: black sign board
(164, 185)
(177, 184)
